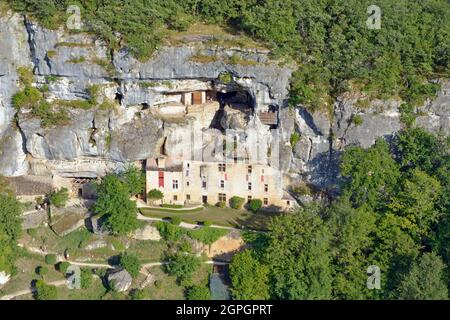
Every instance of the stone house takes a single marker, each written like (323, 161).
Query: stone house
(198, 182)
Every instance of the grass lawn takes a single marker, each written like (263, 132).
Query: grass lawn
(220, 216)
(26, 272)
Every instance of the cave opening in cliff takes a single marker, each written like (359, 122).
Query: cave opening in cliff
(236, 101)
(118, 98)
(145, 106)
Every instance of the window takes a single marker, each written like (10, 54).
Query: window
(222, 184)
(266, 201)
(187, 183)
(222, 167)
(266, 188)
(188, 197)
(249, 169)
(249, 186)
(222, 197)
(188, 165)
(204, 184)
(175, 184)
(175, 198)
(249, 198)
(288, 202)
(161, 179)
(187, 173)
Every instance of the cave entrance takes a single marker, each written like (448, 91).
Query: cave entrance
(118, 97)
(239, 100)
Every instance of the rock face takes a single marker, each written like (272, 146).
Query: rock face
(148, 232)
(131, 127)
(4, 278)
(120, 280)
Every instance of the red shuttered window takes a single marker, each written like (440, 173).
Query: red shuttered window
(161, 179)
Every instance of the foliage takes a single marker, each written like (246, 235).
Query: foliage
(134, 179)
(86, 278)
(182, 266)
(130, 263)
(425, 280)
(138, 294)
(176, 221)
(221, 204)
(45, 291)
(357, 120)
(169, 231)
(294, 139)
(236, 202)
(50, 259)
(198, 292)
(155, 194)
(10, 228)
(59, 198)
(207, 235)
(225, 77)
(250, 278)
(114, 203)
(298, 255)
(63, 266)
(255, 204)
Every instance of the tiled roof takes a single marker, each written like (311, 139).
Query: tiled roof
(269, 118)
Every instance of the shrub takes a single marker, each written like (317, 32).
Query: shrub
(173, 206)
(28, 98)
(295, 137)
(45, 291)
(255, 204)
(175, 221)
(138, 294)
(158, 283)
(236, 202)
(50, 259)
(225, 77)
(182, 266)
(198, 292)
(207, 235)
(169, 232)
(42, 271)
(130, 263)
(59, 198)
(357, 120)
(221, 204)
(85, 278)
(63, 266)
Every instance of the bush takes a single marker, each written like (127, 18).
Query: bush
(225, 77)
(85, 278)
(173, 206)
(50, 259)
(357, 120)
(236, 202)
(175, 221)
(45, 291)
(255, 204)
(42, 271)
(295, 137)
(59, 198)
(138, 294)
(130, 263)
(169, 232)
(182, 266)
(207, 235)
(221, 204)
(63, 266)
(198, 292)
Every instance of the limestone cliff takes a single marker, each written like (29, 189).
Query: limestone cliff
(96, 139)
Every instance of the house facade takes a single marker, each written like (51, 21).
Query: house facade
(198, 182)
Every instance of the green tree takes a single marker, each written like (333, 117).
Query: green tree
(298, 255)
(59, 198)
(155, 194)
(250, 278)
(114, 203)
(86, 278)
(370, 175)
(45, 291)
(130, 263)
(198, 292)
(50, 259)
(425, 281)
(182, 266)
(134, 179)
